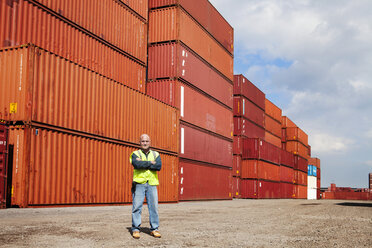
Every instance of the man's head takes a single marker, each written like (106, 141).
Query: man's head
(145, 142)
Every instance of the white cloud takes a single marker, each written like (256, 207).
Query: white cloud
(323, 143)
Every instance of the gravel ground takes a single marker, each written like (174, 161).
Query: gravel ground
(237, 223)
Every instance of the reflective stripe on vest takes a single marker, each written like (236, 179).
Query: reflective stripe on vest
(143, 175)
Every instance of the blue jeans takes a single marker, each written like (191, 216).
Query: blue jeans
(138, 195)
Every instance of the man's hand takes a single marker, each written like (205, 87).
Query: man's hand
(153, 162)
(138, 159)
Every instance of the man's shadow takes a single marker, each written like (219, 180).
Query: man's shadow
(143, 230)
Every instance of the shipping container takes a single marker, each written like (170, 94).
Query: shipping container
(312, 182)
(199, 145)
(287, 158)
(357, 196)
(286, 190)
(207, 16)
(318, 183)
(95, 12)
(174, 60)
(286, 174)
(259, 189)
(311, 194)
(286, 122)
(370, 180)
(109, 20)
(273, 111)
(315, 162)
(238, 145)
(258, 169)
(300, 191)
(62, 168)
(273, 126)
(200, 181)
(245, 108)
(318, 173)
(296, 134)
(3, 165)
(244, 87)
(300, 163)
(174, 24)
(236, 187)
(272, 139)
(24, 22)
(297, 148)
(195, 108)
(318, 194)
(236, 169)
(247, 128)
(300, 177)
(261, 150)
(38, 86)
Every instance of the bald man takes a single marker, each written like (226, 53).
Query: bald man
(146, 164)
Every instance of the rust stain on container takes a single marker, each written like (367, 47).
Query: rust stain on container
(208, 17)
(174, 60)
(23, 22)
(49, 89)
(258, 169)
(244, 87)
(273, 111)
(173, 23)
(58, 168)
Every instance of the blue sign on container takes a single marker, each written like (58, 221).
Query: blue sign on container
(314, 171)
(309, 170)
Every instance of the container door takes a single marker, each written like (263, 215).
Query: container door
(3, 164)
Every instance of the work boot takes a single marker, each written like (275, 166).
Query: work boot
(156, 234)
(136, 234)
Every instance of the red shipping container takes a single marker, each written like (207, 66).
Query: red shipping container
(315, 162)
(300, 177)
(273, 111)
(258, 169)
(244, 107)
(346, 195)
(286, 122)
(286, 174)
(3, 164)
(297, 134)
(199, 145)
(207, 16)
(318, 194)
(238, 145)
(297, 148)
(300, 163)
(286, 190)
(287, 158)
(370, 180)
(236, 187)
(244, 87)
(318, 183)
(259, 189)
(174, 24)
(195, 108)
(261, 150)
(247, 128)
(174, 60)
(199, 181)
(318, 175)
(300, 192)
(272, 139)
(273, 126)
(237, 161)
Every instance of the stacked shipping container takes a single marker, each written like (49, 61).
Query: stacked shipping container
(316, 163)
(190, 66)
(4, 147)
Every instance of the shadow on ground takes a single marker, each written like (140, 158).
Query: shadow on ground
(143, 230)
(355, 204)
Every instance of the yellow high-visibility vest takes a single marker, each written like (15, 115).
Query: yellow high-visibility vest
(143, 175)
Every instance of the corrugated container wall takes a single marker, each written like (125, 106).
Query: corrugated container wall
(296, 133)
(3, 165)
(287, 158)
(286, 122)
(207, 16)
(23, 22)
(244, 107)
(370, 180)
(247, 128)
(259, 189)
(260, 149)
(173, 23)
(257, 169)
(244, 87)
(273, 126)
(272, 139)
(273, 111)
(39, 86)
(59, 168)
(286, 190)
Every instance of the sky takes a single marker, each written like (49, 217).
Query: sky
(313, 59)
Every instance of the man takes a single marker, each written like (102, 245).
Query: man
(146, 165)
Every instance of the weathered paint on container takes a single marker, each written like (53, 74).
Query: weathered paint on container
(110, 20)
(60, 168)
(238, 145)
(3, 164)
(207, 16)
(273, 127)
(195, 108)
(101, 10)
(38, 86)
(300, 177)
(23, 22)
(300, 191)
(236, 187)
(287, 158)
(286, 122)
(174, 60)
(286, 190)
(259, 189)
(296, 134)
(261, 150)
(199, 181)
(237, 162)
(300, 163)
(199, 145)
(247, 128)
(273, 111)
(245, 108)
(286, 174)
(258, 169)
(173, 23)
(297, 148)
(244, 87)
(272, 139)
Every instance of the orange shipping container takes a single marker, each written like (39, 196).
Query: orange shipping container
(38, 86)
(272, 110)
(286, 122)
(23, 22)
(300, 177)
(258, 169)
(58, 168)
(168, 24)
(272, 139)
(273, 126)
(297, 148)
(296, 133)
(300, 192)
(315, 162)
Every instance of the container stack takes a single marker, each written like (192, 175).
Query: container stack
(249, 118)
(74, 102)
(316, 163)
(4, 147)
(295, 140)
(370, 181)
(311, 182)
(190, 66)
